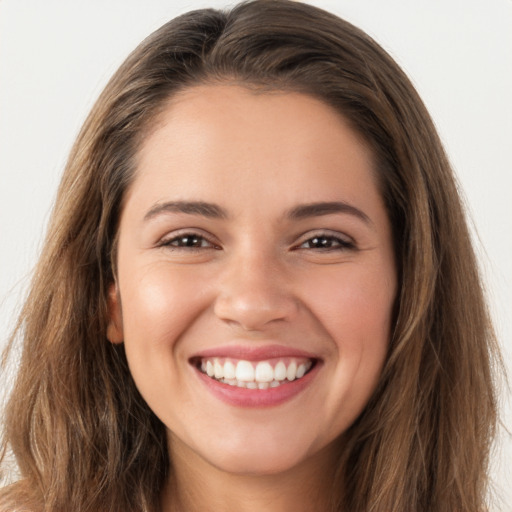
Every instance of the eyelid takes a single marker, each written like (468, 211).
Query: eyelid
(346, 241)
(168, 238)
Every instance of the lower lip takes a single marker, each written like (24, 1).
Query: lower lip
(243, 397)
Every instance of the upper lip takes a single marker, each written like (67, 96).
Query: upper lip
(254, 353)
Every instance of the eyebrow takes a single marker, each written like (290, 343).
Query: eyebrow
(214, 211)
(209, 210)
(327, 208)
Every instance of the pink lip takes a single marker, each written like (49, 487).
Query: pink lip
(243, 397)
(252, 353)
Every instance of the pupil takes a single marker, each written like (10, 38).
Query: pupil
(190, 241)
(321, 242)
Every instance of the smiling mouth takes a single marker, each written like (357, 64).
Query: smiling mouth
(264, 374)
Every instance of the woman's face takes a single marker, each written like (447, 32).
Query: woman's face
(256, 278)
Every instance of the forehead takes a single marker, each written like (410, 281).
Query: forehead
(226, 113)
(228, 139)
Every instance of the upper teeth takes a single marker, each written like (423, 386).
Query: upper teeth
(271, 371)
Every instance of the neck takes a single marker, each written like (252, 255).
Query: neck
(197, 485)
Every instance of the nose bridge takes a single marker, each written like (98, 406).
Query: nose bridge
(253, 291)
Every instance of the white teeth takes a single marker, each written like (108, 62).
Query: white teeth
(280, 371)
(264, 372)
(291, 373)
(252, 375)
(219, 369)
(244, 371)
(229, 370)
(209, 369)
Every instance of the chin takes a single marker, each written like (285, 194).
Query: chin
(255, 458)
(257, 466)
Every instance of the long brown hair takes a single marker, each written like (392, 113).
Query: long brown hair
(83, 438)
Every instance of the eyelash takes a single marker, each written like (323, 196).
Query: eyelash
(326, 242)
(189, 240)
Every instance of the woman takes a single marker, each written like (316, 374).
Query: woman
(258, 289)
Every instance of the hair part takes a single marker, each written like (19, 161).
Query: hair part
(83, 437)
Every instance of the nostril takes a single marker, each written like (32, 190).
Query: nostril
(253, 311)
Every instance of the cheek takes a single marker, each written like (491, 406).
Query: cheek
(355, 306)
(159, 303)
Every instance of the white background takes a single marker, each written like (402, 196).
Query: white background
(56, 56)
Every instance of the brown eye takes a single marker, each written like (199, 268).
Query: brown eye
(326, 242)
(188, 240)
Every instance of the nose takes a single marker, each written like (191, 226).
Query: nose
(255, 293)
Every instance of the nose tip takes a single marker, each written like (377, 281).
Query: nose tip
(250, 313)
(253, 300)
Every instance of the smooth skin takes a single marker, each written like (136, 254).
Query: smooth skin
(251, 268)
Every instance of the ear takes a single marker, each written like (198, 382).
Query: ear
(115, 318)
